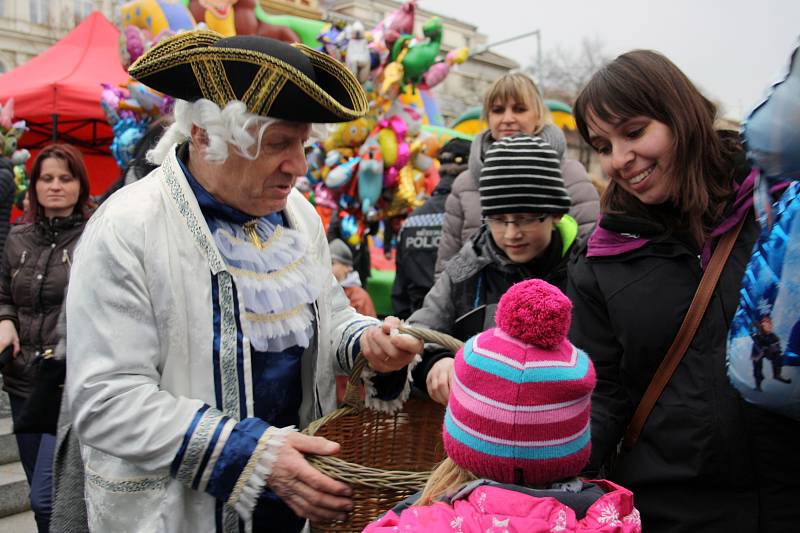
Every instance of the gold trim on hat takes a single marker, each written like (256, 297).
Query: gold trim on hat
(334, 68)
(207, 63)
(269, 92)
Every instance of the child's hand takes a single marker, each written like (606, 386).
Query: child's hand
(438, 380)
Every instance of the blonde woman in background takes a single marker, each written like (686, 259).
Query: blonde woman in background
(512, 105)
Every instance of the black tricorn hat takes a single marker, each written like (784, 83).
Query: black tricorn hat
(272, 78)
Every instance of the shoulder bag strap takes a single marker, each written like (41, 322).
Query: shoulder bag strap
(684, 337)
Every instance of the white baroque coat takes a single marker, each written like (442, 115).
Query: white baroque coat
(158, 392)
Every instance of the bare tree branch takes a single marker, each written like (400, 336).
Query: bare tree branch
(565, 72)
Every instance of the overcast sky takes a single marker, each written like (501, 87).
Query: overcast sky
(732, 49)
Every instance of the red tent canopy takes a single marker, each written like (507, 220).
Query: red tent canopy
(58, 94)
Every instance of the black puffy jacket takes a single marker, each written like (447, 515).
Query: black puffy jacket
(703, 454)
(33, 277)
(7, 190)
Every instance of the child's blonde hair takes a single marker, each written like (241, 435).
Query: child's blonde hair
(517, 87)
(445, 479)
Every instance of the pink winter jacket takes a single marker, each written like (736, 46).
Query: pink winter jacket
(497, 510)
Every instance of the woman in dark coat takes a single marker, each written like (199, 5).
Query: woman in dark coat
(705, 460)
(33, 278)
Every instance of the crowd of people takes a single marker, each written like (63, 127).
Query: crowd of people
(202, 316)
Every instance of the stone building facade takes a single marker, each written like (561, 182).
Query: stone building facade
(29, 27)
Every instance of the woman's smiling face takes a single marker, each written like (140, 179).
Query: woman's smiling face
(636, 153)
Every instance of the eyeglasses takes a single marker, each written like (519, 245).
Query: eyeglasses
(525, 223)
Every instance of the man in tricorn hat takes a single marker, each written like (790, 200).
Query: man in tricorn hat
(203, 320)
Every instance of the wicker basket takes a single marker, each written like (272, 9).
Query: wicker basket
(384, 458)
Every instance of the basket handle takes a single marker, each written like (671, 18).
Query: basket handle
(352, 396)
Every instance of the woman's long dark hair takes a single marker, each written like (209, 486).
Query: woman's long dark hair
(74, 161)
(645, 83)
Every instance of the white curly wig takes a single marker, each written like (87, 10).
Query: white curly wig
(232, 125)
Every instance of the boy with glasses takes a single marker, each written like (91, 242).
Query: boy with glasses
(526, 234)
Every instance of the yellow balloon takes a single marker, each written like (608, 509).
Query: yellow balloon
(222, 23)
(410, 185)
(349, 134)
(145, 14)
(387, 140)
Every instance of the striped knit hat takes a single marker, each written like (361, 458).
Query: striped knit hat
(520, 397)
(522, 174)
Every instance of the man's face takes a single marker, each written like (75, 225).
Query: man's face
(261, 186)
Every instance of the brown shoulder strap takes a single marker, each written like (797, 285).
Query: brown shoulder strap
(684, 337)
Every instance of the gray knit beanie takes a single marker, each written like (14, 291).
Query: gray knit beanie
(341, 252)
(522, 174)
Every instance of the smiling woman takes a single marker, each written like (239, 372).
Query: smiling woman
(703, 455)
(636, 153)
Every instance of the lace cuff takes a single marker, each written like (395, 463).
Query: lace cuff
(376, 399)
(253, 478)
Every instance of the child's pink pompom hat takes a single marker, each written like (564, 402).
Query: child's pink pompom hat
(520, 399)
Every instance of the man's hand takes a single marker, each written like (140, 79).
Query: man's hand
(310, 493)
(386, 351)
(438, 380)
(8, 336)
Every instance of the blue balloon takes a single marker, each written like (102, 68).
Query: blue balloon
(127, 132)
(772, 130)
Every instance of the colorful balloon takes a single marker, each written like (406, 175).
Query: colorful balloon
(396, 23)
(156, 16)
(387, 140)
(439, 71)
(342, 174)
(218, 16)
(421, 55)
(370, 176)
(7, 114)
(350, 230)
(127, 133)
(348, 134)
(323, 196)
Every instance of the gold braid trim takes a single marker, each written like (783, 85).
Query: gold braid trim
(274, 317)
(222, 86)
(166, 47)
(259, 276)
(247, 472)
(262, 77)
(334, 68)
(199, 75)
(154, 63)
(268, 94)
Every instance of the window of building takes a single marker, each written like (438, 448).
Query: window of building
(38, 11)
(2, 8)
(82, 9)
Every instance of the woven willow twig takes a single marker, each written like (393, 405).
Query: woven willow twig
(372, 477)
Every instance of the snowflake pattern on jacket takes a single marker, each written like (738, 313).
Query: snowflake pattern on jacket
(491, 509)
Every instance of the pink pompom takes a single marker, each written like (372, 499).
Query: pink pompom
(535, 312)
